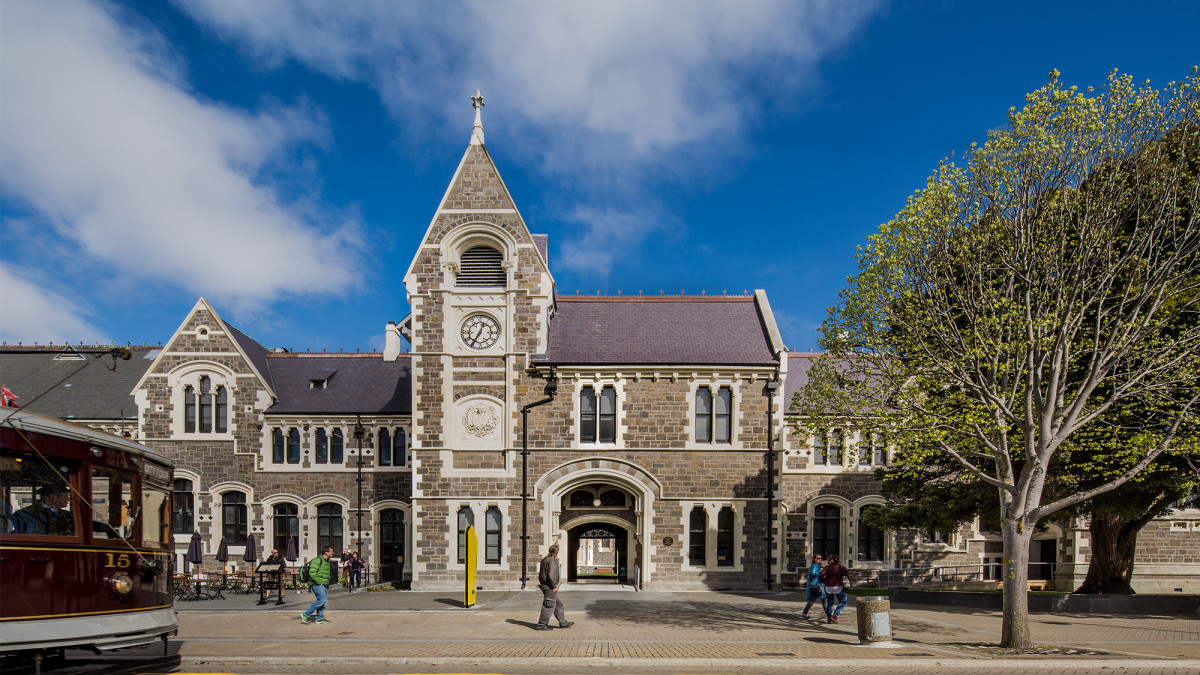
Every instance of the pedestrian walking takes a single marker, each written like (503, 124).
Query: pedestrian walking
(815, 590)
(548, 582)
(319, 573)
(356, 568)
(834, 578)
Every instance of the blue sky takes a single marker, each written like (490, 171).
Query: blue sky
(283, 159)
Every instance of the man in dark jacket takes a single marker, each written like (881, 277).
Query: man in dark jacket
(276, 577)
(548, 582)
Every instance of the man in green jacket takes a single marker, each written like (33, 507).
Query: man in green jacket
(319, 572)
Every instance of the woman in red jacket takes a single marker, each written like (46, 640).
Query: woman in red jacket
(835, 577)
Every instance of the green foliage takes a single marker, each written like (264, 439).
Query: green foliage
(1025, 300)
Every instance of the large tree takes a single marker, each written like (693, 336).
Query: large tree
(1020, 296)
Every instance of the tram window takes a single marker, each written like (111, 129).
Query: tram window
(156, 516)
(113, 507)
(37, 496)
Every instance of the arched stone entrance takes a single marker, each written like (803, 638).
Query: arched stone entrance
(598, 552)
(605, 497)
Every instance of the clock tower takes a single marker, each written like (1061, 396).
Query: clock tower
(481, 296)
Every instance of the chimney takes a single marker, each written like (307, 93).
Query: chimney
(391, 341)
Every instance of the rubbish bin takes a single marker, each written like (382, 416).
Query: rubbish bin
(874, 619)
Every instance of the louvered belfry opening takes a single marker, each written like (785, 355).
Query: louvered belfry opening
(481, 266)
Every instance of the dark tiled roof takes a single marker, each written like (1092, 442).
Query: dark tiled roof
(797, 375)
(663, 330)
(255, 352)
(356, 384)
(93, 393)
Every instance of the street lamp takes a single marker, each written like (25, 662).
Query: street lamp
(359, 432)
(773, 385)
(551, 389)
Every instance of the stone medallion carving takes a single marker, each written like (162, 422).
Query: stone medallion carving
(480, 420)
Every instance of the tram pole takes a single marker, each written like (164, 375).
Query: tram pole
(551, 389)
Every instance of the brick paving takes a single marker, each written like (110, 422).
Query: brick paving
(652, 632)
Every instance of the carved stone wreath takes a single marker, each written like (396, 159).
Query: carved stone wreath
(480, 420)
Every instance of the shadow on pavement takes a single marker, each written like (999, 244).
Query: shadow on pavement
(696, 614)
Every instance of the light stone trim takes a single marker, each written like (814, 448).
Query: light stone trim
(713, 509)
(479, 507)
(598, 383)
(714, 384)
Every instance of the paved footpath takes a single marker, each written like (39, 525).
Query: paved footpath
(650, 632)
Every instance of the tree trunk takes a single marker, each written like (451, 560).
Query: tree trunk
(1014, 631)
(1113, 541)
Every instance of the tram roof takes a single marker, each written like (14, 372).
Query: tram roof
(24, 420)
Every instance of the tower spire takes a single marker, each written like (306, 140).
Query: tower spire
(477, 130)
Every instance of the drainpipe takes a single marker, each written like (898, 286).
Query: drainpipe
(772, 387)
(551, 389)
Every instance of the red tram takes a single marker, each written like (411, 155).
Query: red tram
(85, 538)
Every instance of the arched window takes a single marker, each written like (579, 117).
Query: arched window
(400, 449)
(206, 405)
(725, 546)
(466, 518)
(189, 410)
(199, 407)
(286, 523)
(481, 266)
(870, 539)
(322, 450)
(222, 410)
(183, 520)
(293, 446)
(233, 518)
(598, 425)
(329, 527)
(385, 447)
(492, 523)
(337, 447)
(714, 415)
(836, 439)
(277, 446)
(827, 530)
(697, 536)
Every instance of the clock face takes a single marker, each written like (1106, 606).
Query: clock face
(480, 331)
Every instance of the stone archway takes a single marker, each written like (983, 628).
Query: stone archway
(597, 552)
(601, 480)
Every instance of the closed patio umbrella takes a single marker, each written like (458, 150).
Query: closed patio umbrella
(251, 554)
(195, 556)
(222, 555)
(291, 555)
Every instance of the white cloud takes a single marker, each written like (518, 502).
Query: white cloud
(99, 137)
(644, 75)
(606, 233)
(608, 97)
(29, 312)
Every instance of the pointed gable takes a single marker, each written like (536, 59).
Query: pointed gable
(204, 335)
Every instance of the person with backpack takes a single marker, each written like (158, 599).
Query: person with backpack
(318, 573)
(835, 577)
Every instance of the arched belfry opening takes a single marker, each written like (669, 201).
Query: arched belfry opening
(481, 266)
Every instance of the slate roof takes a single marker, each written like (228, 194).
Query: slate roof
(94, 392)
(660, 330)
(355, 384)
(254, 351)
(797, 375)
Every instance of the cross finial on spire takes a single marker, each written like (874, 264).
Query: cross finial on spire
(477, 130)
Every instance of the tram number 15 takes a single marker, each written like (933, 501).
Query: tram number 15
(115, 560)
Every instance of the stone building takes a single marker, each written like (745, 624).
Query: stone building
(654, 424)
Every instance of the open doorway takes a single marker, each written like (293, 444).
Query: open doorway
(596, 553)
